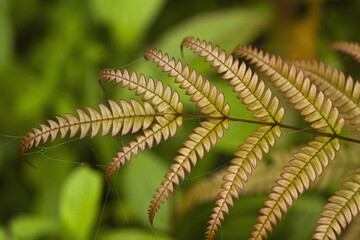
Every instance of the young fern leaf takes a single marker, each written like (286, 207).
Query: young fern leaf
(343, 206)
(158, 131)
(164, 101)
(298, 89)
(123, 115)
(199, 142)
(206, 96)
(211, 102)
(344, 92)
(307, 164)
(245, 161)
(351, 48)
(253, 93)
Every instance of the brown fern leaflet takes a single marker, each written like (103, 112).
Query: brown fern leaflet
(344, 92)
(322, 94)
(351, 48)
(341, 209)
(164, 100)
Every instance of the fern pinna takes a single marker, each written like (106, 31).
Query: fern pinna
(321, 94)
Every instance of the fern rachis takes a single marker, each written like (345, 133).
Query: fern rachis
(160, 112)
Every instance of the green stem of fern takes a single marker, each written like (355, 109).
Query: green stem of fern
(273, 124)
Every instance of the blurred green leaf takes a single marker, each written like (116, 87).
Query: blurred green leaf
(33, 227)
(2, 159)
(6, 35)
(142, 176)
(304, 213)
(128, 20)
(133, 234)
(3, 234)
(79, 203)
(226, 27)
(242, 217)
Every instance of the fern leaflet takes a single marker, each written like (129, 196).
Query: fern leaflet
(199, 142)
(298, 89)
(343, 206)
(238, 172)
(205, 95)
(251, 91)
(163, 130)
(164, 100)
(126, 116)
(303, 169)
(344, 92)
(351, 48)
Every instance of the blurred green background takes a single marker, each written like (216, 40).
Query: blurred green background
(51, 52)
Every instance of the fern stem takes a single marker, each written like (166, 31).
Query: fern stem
(273, 124)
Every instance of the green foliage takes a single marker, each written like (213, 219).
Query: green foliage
(138, 191)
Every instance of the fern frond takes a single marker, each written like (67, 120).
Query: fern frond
(206, 96)
(350, 48)
(306, 166)
(199, 142)
(211, 102)
(158, 131)
(123, 115)
(310, 161)
(266, 108)
(343, 206)
(165, 100)
(298, 89)
(344, 92)
(316, 91)
(251, 91)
